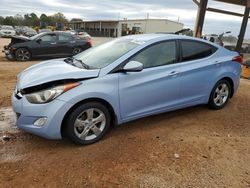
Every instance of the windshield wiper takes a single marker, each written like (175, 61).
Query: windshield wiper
(82, 63)
(70, 60)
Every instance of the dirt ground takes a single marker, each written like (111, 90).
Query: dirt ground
(194, 147)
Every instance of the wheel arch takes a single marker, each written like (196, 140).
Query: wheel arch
(230, 81)
(99, 100)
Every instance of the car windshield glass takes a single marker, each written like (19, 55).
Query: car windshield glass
(105, 54)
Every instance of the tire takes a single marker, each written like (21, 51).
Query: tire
(22, 54)
(220, 95)
(80, 124)
(77, 51)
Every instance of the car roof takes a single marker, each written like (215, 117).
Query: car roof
(159, 37)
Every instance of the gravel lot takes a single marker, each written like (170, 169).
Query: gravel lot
(194, 147)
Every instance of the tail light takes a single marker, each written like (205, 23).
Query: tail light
(89, 41)
(239, 59)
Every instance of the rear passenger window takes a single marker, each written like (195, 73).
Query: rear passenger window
(195, 50)
(63, 37)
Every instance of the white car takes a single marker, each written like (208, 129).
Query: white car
(7, 31)
(84, 35)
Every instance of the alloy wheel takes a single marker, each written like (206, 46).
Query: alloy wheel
(89, 124)
(221, 94)
(23, 54)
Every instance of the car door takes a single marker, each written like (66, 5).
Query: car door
(198, 71)
(154, 89)
(46, 45)
(66, 43)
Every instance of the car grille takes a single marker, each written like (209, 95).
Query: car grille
(18, 94)
(6, 32)
(18, 115)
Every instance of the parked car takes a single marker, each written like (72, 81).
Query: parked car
(84, 35)
(29, 32)
(73, 32)
(44, 30)
(52, 44)
(120, 81)
(7, 31)
(214, 38)
(217, 39)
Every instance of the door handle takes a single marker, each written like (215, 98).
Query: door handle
(174, 73)
(53, 43)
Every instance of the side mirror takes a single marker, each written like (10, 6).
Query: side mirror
(133, 66)
(39, 41)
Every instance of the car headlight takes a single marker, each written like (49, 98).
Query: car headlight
(50, 94)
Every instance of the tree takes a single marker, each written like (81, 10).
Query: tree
(34, 19)
(1, 20)
(59, 18)
(18, 20)
(9, 20)
(44, 18)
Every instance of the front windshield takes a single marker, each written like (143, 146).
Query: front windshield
(105, 54)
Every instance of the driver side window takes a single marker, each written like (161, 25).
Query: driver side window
(160, 54)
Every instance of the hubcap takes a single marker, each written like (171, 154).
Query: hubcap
(89, 124)
(23, 55)
(221, 94)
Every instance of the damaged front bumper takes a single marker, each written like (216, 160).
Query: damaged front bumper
(28, 114)
(8, 53)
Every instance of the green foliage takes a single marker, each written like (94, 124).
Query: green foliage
(33, 20)
(1, 20)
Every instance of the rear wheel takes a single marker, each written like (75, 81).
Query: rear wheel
(22, 54)
(88, 123)
(220, 95)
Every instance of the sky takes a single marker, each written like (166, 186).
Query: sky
(184, 11)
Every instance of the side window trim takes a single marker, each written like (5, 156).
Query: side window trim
(214, 48)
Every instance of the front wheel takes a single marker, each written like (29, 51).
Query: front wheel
(22, 54)
(88, 123)
(220, 95)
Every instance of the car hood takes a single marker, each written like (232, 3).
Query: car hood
(19, 39)
(50, 71)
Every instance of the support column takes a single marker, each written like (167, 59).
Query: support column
(200, 18)
(243, 29)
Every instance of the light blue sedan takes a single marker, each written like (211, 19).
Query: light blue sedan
(120, 81)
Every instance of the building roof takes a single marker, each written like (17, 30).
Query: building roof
(236, 2)
(116, 21)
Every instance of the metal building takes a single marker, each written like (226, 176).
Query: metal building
(117, 28)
